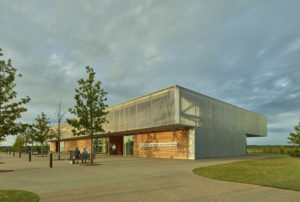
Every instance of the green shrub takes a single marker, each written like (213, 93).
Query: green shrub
(35, 148)
(270, 149)
(294, 153)
(282, 150)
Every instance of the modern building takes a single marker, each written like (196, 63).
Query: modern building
(174, 122)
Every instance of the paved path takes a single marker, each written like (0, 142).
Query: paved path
(130, 179)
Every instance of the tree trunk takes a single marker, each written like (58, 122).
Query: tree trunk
(92, 150)
(58, 149)
(42, 150)
(58, 138)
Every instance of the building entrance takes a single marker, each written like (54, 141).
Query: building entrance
(116, 145)
(128, 145)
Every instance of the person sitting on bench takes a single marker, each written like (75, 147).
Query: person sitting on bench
(77, 154)
(84, 155)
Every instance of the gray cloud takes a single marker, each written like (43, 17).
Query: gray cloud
(243, 52)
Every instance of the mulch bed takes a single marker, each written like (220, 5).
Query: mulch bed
(89, 164)
(4, 171)
(39, 156)
(60, 159)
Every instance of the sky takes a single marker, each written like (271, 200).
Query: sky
(242, 52)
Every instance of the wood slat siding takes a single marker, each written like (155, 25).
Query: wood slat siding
(53, 146)
(71, 145)
(179, 152)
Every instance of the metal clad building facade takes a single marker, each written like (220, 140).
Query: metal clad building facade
(152, 110)
(174, 123)
(219, 129)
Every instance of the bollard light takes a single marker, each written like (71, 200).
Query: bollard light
(50, 159)
(29, 156)
(73, 158)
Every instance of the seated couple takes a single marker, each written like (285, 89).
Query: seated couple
(84, 155)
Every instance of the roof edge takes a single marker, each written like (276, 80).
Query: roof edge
(180, 87)
(148, 94)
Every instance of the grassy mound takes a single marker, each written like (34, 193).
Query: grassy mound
(273, 172)
(18, 195)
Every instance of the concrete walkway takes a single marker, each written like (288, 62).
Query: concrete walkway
(130, 179)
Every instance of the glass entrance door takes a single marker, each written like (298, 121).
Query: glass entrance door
(128, 145)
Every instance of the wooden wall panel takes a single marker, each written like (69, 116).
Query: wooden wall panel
(72, 144)
(179, 152)
(53, 146)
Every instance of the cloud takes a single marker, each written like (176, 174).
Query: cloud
(242, 52)
(294, 46)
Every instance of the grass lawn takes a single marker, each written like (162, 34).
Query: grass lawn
(272, 172)
(18, 195)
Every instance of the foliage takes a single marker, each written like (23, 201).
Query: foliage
(295, 137)
(10, 109)
(43, 132)
(5, 148)
(273, 172)
(270, 149)
(18, 195)
(28, 135)
(295, 153)
(89, 108)
(35, 148)
(38, 148)
(19, 143)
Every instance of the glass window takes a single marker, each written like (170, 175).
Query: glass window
(101, 145)
(128, 145)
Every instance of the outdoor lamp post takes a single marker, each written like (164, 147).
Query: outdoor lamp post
(50, 159)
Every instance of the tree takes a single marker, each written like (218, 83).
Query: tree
(295, 137)
(60, 113)
(32, 136)
(27, 135)
(10, 109)
(89, 108)
(43, 131)
(19, 143)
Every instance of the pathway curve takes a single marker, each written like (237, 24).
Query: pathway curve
(131, 179)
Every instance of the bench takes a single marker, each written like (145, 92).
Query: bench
(84, 157)
(81, 156)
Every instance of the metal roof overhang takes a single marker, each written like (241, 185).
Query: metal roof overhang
(253, 135)
(133, 132)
